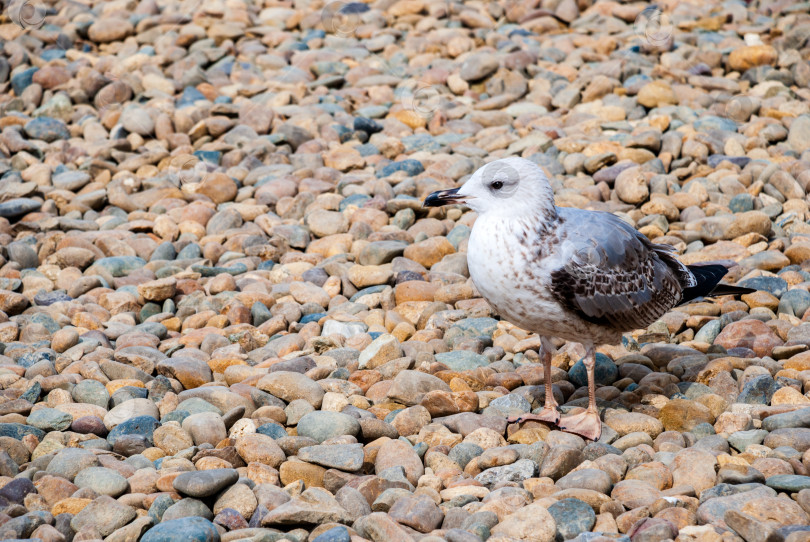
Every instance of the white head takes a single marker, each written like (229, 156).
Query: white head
(510, 188)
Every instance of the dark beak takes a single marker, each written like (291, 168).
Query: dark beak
(443, 197)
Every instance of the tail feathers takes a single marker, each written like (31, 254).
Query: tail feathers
(708, 279)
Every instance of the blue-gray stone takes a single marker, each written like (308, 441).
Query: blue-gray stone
(44, 299)
(49, 419)
(791, 483)
(462, 360)
(189, 252)
(471, 328)
(272, 430)
(758, 390)
(409, 166)
(605, 372)
(740, 440)
(458, 234)
(508, 405)
(464, 452)
(773, 285)
(323, 425)
(710, 122)
(795, 302)
(189, 96)
(709, 332)
(213, 271)
(140, 425)
(372, 111)
(693, 390)
(159, 506)
(119, 266)
(46, 129)
(601, 537)
(22, 80)
(32, 393)
(259, 313)
(796, 418)
(196, 405)
(190, 529)
(741, 203)
(366, 291)
(367, 125)
(92, 392)
(18, 207)
(714, 160)
(703, 430)
(335, 534)
(164, 251)
(420, 142)
(572, 517)
(211, 157)
(19, 430)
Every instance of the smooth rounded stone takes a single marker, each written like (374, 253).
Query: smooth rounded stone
(69, 462)
(605, 372)
(130, 409)
(410, 387)
(323, 425)
(255, 447)
(102, 480)
(462, 360)
(22, 253)
(104, 514)
(346, 457)
(141, 427)
(16, 490)
(240, 498)
(741, 440)
(396, 453)
(791, 483)
(195, 529)
(187, 507)
(204, 483)
(508, 405)
(289, 386)
(795, 418)
(418, 512)
(49, 419)
(205, 427)
(464, 452)
(797, 438)
(335, 534)
(572, 517)
(532, 522)
(593, 479)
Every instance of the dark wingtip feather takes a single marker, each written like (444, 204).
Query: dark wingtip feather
(708, 282)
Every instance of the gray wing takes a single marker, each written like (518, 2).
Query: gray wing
(608, 273)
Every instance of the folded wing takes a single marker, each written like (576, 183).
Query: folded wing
(607, 273)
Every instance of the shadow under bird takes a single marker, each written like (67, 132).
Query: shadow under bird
(583, 276)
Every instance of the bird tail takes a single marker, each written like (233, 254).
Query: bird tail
(707, 278)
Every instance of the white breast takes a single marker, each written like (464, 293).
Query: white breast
(507, 268)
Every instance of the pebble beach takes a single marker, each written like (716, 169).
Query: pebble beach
(226, 316)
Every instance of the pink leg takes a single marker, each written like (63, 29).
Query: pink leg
(586, 424)
(549, 414)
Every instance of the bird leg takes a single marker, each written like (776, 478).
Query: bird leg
(549, 414)
(586, 424)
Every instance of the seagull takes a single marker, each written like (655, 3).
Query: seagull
(583, 276)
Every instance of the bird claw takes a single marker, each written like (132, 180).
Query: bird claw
(548, 415)
(585, 424)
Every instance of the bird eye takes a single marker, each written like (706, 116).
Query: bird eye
(497, 185)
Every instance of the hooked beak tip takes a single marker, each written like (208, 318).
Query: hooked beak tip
(443, 197)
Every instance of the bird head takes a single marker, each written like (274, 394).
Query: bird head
(509, 187)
